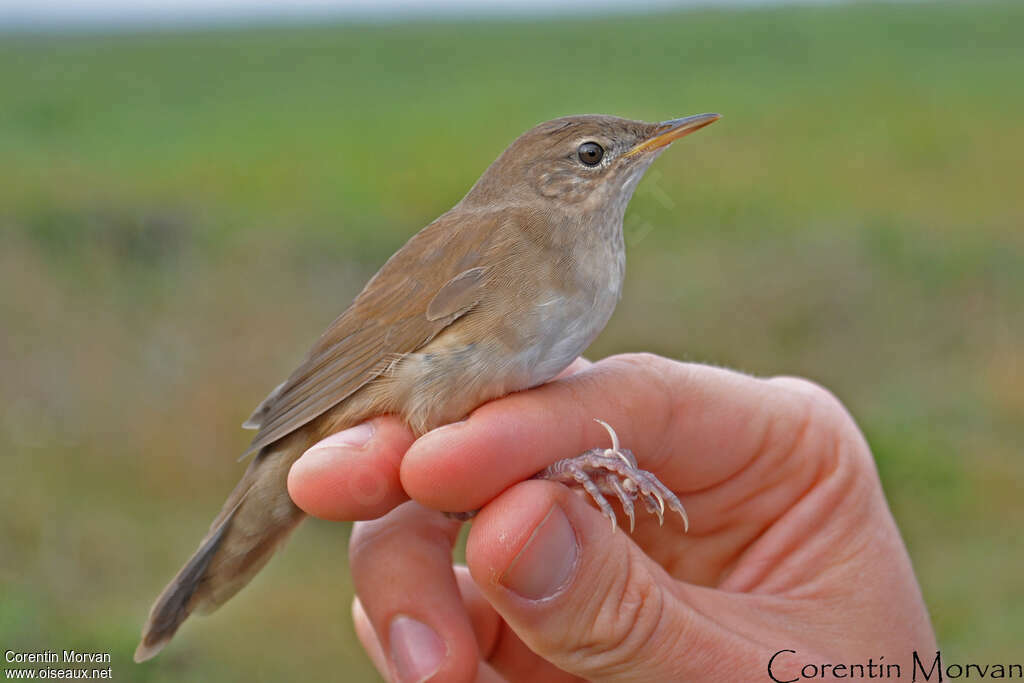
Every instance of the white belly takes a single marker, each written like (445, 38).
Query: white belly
(565, 331)
(451, 375)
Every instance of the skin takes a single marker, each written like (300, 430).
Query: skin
(791, 545)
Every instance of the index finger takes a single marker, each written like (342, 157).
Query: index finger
(353, 475)
(692, 425)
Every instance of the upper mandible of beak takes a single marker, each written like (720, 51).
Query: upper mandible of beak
(668, 132)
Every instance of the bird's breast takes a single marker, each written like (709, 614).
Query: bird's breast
(513, 340)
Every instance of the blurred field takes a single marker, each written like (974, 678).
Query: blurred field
(182, 213)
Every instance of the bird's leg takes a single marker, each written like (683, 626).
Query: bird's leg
(614, 471)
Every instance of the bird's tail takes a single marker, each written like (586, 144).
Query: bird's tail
(256, 518)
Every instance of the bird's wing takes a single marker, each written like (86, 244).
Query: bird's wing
(424, 287)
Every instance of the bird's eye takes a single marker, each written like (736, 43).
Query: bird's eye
(590, 153)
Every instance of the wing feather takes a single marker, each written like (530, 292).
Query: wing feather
(389, 318)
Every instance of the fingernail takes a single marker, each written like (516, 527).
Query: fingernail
(327, 453)
(545, 564)
(447, 428)
(336, 444)
(416, 650)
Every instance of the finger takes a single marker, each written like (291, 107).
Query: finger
(486, 622)
(499, 646)
(692, 425)
(588, 600)
(578, 365)
(353, 474)
(401, 568)
(368, 639)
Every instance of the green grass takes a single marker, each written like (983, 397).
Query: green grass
(181, 214)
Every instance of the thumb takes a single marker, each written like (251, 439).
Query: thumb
(583, 597)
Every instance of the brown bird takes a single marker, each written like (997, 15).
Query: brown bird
(497, 295)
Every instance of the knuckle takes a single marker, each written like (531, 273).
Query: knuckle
(624, 624)
(405, 532)
(366, 537)
(822, 424)
(821, 405)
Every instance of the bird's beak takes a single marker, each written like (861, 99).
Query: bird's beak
(668, 132)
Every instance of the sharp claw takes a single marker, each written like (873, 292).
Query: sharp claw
(614, 450)
(611, 433)
(678, 507)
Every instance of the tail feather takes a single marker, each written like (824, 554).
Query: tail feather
(255, 520)
(172, 607)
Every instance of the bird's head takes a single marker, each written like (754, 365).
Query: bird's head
(579, 163)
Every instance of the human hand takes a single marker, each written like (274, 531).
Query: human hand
(791, 545)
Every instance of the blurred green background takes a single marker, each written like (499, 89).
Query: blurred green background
(182, 212)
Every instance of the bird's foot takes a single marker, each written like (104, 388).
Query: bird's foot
(614, 471)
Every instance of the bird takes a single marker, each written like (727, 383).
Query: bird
(497, 295)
